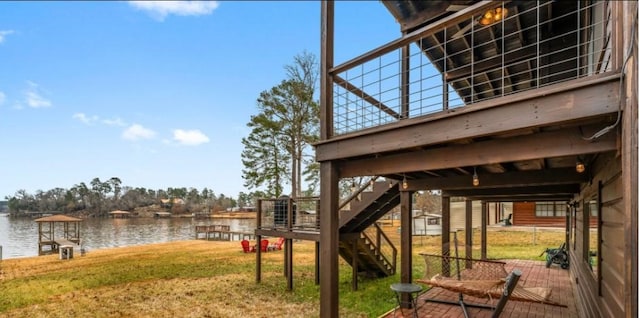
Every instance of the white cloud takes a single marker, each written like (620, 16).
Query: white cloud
(3, 97)
(84, 118)
(33, 97)
(190, 137)
(137, 132)
(161, 9)
(89, 120)
(3, 34)
(114, 122)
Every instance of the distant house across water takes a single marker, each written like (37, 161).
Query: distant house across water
(4, 206)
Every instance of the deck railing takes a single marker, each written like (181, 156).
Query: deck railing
(459, 61)
(290, 213)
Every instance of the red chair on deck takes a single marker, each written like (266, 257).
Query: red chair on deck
(246, 247)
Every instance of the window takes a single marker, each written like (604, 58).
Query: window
(433, 221)
(592, 217)
(551, 209)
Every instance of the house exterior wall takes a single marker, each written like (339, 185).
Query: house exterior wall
(600, 286)
(525, 214)
(611, 289)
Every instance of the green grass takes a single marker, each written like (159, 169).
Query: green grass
(214, 279)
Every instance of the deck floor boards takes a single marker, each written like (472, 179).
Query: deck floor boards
(534, 274)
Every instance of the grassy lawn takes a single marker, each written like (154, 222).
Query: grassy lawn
(210, 279)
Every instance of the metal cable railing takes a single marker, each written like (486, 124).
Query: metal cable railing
(462, 62)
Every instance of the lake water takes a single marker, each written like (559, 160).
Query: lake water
(19, 236)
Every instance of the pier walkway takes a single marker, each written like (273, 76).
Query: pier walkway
(217, 232)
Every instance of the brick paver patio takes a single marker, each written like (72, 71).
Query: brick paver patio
(534, 274)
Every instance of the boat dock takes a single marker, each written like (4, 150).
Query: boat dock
(217, 232)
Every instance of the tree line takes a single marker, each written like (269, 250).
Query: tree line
(100, 197)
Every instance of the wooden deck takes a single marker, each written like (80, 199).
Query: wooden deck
(534, 274)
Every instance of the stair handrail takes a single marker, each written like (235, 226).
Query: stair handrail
(356, 193)
(381, 237)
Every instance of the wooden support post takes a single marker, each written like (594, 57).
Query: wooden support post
(483, 230)
(285, 269)
(317, 274)
(406, 262)
(468, 232)
(329, 239)
(354, 264)
(446, 234)
(329, 177)
(288, 249)
(258, 259)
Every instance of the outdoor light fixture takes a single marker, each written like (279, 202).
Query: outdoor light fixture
(405, 185)
(580, 166)
(493, 16)
(476, 181)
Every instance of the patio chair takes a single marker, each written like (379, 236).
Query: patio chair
(277, 245)
(264, 245)
(246, 247)
(507, 220)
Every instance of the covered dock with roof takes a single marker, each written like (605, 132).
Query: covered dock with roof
(68, 231)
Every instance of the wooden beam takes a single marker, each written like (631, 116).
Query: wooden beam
(522, 198)
(362, 94)
(506, 179)
(514, 191)
(305, 236)
(565, 142)
(556, 104)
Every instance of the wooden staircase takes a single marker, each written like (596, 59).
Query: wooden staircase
(363, 244)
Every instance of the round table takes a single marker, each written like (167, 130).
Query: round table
(409, 289)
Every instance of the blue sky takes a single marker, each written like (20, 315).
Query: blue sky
(155, 93)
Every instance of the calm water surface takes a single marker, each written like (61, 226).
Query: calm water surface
(19, 236)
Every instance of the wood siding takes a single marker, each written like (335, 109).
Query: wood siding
(603, 296)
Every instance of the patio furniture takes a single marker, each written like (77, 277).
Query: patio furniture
(479, 278)
(410, 290)
(264, 245)
(277, 245)
(507, 220)
(246, 247)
